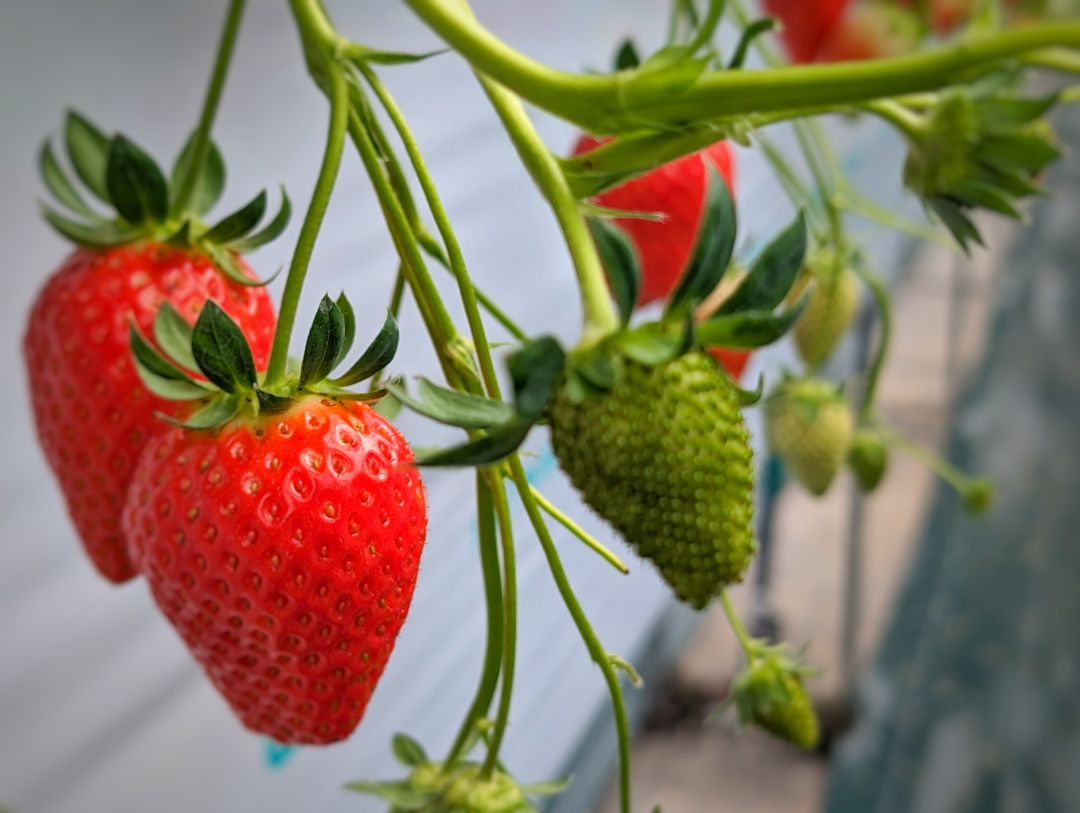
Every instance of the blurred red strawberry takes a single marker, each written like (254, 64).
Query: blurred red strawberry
(871, 31)
(805, 24)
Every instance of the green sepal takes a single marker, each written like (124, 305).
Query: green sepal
(986, 196)
(238, 223)
(389, 406)
(271, 231)
(220, 350)
(348, 317)
(959, 224)
(62, 188)
(217, 412)
(208, 186)
(161, 375)
(454, 408)
(408, 751)
(324, 342)
(225, 261)
(1001, 115)
(620, 260)
(772, 273)
(181, 238)
(330, 391)
(536, 370)
(88, 149)
(713, 246)
(626, 57)
(135, 184)
(749, 34)
(271, 403)
(749, 329)
(173, 335)
(393, 57)
(751, 397)
(1023, 151)
(651, 344)
(598, 366)
(375, 358)
(500, 442)
(98, 235)
(664, 75)
(591, 209)
(400, 794)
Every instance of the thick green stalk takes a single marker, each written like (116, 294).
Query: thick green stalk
(493, 600)
(313, 220)
(592, 643)
(201, 144)
(509, 608)
(622, 101)
(600, 319)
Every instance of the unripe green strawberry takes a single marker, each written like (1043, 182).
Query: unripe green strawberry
(468, 792)
(827, 317)
(664, 457)
(868, 458)
(770, 694)
(808, 425)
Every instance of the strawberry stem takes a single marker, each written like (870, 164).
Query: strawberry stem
(884, 306)
(313, 220)
(746, 643)
(581, 620)
(201, 143)
(567, 522)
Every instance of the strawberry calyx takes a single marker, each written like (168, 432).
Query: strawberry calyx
(142, 204)
(750, 317)
(769, 693)
(978, 148)
(211, 365)
(462, 786)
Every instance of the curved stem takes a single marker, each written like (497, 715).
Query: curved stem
(949, 473)
(509, 645)
(600, 319)
(446, 230)
(592, 643)
(493, 600)
(910, 124)
(746, 643)
(313, 220)
(884, 306)
(201, 143)
(567, 522)
(1054, 59)
(708, 27)
(600, 103)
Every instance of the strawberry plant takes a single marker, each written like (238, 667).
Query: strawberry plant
(277, 514)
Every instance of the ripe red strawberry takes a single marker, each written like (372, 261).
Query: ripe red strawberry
(676, 190)
(870, 31)
(284, 548)
(805, 24)
(731, 359)
(92, 412)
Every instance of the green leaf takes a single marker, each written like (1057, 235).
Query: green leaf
(408, 751)
(221, 351)
(58, 183)
(97, 235)
(749, 328)
(271, 231)
(620, 260)
(749, 34)
(208, 186)
(348, 317)
(663, 76)
(324, 342)
(536, 370)
(173, 335)
(136, 186)
(452, 407)
(88, 149)
(238, 223)
(216, 413)
(713, 246)
(400, 794)
(375, 358)
(1024, 151)
(627, 56)
(773, 272)
(500, 442)
(958, 223)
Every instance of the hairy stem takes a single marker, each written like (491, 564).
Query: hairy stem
(567, 522)
(884, 307)
(201, 144)
(746, 643)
